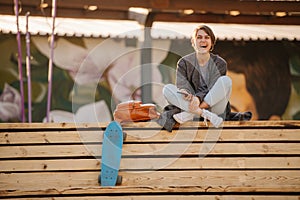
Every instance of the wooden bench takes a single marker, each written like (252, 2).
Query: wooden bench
(243, 160)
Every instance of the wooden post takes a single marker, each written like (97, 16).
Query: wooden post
(146, 61)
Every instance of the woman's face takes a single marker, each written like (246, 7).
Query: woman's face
(202, 42)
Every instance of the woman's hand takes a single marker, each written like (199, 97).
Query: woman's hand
(186, 95)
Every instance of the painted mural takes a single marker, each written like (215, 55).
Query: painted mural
(92, 75)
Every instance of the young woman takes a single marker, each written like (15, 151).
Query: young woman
(202, 87)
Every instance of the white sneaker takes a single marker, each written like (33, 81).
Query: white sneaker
(183, 117)
(212, 117)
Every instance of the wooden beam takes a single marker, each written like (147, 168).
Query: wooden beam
(222, 18)
(12, 127)
(153, 150)
(69, 13)
(156, 182)
(242, 6)
(252, 12)
(46, 165)
(252, 159)
(171, 5)
(206, 5)
(164, 17)
(147, 136)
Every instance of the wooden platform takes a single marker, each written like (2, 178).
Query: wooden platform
(243, 160)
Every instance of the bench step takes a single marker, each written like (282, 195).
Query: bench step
(243, 160)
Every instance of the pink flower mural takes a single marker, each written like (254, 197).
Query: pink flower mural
(110, 61)
(10, 104)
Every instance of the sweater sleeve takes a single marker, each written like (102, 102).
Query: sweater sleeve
(222, 65)
(182, 81)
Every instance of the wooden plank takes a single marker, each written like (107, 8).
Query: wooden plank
(49, 137)
(60, 151)
(227, 124)
(218, 6)
(211, 163)
(93, 136)
(178, 197)
(168, 149)
(145, 125)
(221, 18)
(149, 182)
(242, 161)
(55, 126)
(153, 164)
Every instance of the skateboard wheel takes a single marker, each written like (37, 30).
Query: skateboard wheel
(124, 136)
(119, 180)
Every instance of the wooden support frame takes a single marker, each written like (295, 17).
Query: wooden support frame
(253, 12)
(255, 159)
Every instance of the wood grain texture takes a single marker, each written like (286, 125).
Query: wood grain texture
(145, 125)
(146, 136)
(158, 181)
(243, 160)
(181, 163)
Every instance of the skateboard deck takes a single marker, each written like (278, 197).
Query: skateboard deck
(111, 154)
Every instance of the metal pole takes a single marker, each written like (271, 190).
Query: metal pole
(50, 66)
(146, 69)
(20, 60)
(28, 68)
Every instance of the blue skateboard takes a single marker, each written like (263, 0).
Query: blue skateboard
(111, 155)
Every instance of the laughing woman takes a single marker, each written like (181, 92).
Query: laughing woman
(202, 87)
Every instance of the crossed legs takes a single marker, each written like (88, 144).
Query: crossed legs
(215, 100)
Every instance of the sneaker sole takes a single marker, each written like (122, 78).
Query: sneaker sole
(177, 119)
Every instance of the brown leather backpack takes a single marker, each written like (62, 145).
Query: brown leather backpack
(134, 111)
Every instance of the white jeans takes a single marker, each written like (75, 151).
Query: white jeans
(217, 98)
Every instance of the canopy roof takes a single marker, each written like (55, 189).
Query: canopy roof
(132, 29)
(206, 11)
